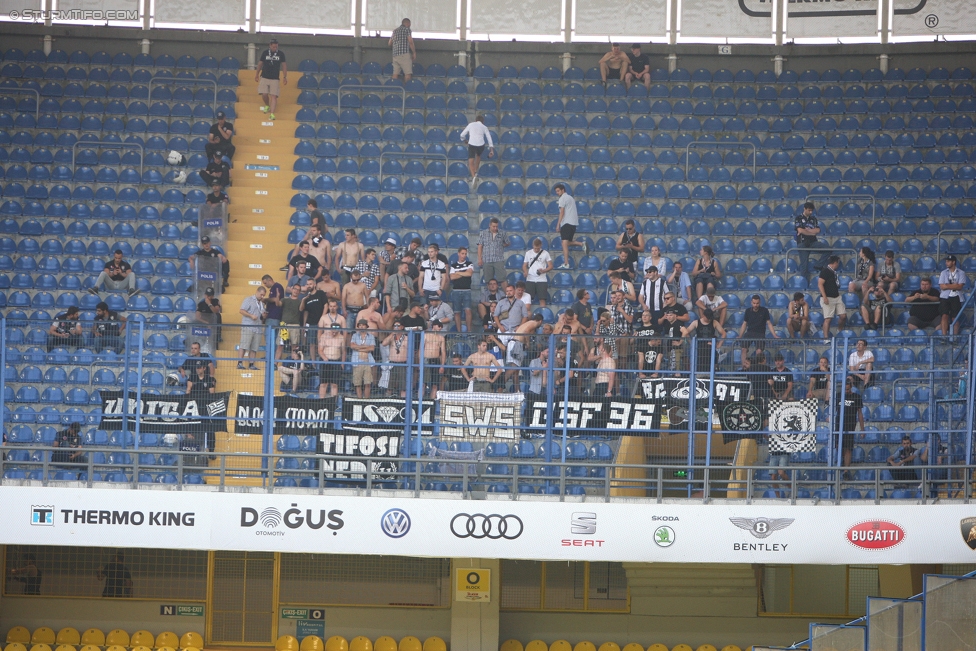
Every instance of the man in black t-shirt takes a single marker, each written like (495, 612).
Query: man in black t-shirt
(830, 300)
(640, 67)
(220, 136)
(217, 195)
(648, 341)
(65, 331)
(271, 64)
(924, 312)
(67, 441)
(189, 367)
(117, 275)
(853, 415)
(455, 376)
(118, 579)
(623, 265)
(312, 307)
(209, 309)
(755, 321)
(460, 273)
(217, 172)
(107, 329)
(312, 267)
(781, 379)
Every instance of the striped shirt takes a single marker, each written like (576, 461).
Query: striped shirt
(492, 246)
(370, 272)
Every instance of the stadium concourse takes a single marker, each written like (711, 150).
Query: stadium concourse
(268, 541)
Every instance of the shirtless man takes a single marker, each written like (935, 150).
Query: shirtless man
(614, 64)
(354, 296)
(319, 247)
(481, 365)
(396, 342)
(570, 320)
(435, 356)
(515, 350)
(371, 314)
(332, 349)
(330, 287)
(349, 253)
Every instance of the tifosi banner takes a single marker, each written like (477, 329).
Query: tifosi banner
(172, 414)
(480, 417)
(637, 531)
(599, 417)
(300, 416)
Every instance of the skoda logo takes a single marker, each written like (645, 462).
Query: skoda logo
(480, 526)
(395, 523)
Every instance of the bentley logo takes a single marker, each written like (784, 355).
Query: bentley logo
(761, 527)
(968, 526)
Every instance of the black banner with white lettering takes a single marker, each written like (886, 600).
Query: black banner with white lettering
(604, 417)
(675, 392)
(172, 414)
(299, 416)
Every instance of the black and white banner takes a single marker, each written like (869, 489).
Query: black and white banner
(373, 428)
(299, 416)
(675, 392)
(172, 414)
(603, 416)
(793, 426)
(480, 417)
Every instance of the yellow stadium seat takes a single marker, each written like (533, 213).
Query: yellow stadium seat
(561, 645)
(117, 637)
(731, 647)
(169, 648)
(43, 635)
(141, 647)
(706, 647)
(68, 636)
(360, 643)
(511, 645)
(385, 643)
(116, 647)
(584, 646)
(434, 643)
(19, 634)
(142, 638)
(536, 645)
(633, 646)
(682, 647)
(66, 647)
(93, 637)
(609, 646)
(188, 639)
(15, 646)
(166, 638)
(41, 647)
(189, 648)
(657, 647)
(336, 643)
(90, 647)
(286, 643)
(410, 643)
(312, 643)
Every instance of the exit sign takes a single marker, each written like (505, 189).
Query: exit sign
(181, 611)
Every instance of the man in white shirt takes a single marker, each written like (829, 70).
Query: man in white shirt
(478, 138)
(652, 292)
(860, 364)
(712, 301)
(435, 275)
(537, 263)
(951, 280)
(679, 278)
(567, 224)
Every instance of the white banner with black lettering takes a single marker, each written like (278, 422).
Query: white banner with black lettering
(745, 19)
(480, 418)
(636, 531)
(931, 17)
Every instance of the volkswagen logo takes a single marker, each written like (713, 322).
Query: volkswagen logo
(480, 526)
(395, 523)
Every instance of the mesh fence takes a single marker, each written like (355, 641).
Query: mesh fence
(894, 625)
(838, 638)
(243, 596)
(949, 613)
(578, 585)
(98, 571)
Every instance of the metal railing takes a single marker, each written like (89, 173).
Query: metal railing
(823, 251)
(404, 154)
(400, 89)
(172, 81)
(37, 105)
(720, 144)
(108, 144)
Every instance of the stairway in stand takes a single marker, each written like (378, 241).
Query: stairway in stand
(257, 238)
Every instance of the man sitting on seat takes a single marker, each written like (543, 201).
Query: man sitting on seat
(614, 64)
(640, 67)
(65, 330)
(117, 275)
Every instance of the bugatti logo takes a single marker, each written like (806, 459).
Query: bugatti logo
(395, 523)
(876, 534)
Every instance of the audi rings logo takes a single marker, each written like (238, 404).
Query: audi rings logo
(480, 526)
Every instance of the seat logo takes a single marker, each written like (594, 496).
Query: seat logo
(480, 526)
(395, 523)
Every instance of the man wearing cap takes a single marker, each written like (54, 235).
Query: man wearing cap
(399, 288)
(217, 195)
(404, 52)
(951, 281)
(206, 250)
(220, 136)
(385, 258)
(614, 64)
(639, 68)
(438, 310)
(712, 301)
(271, 65)
(217, 171)
(208, 310)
